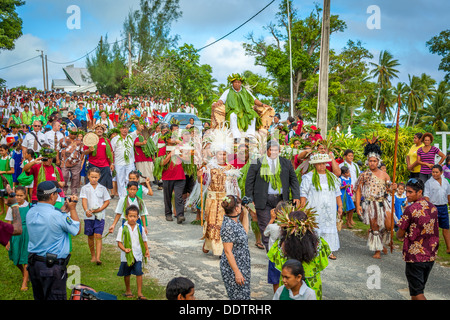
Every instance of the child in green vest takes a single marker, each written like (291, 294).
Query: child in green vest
(6, 172)
(132, 241)
(18, 245)
(294, 287)
(134, 176)
(125, 202)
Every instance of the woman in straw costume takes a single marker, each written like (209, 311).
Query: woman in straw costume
(220, 178)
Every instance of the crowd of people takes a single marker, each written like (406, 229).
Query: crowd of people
(287, 184)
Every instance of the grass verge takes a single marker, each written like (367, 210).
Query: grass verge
(100, 277)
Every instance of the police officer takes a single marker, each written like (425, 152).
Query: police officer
(49, 254)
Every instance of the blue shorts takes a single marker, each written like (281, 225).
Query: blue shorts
(92, 227)
(443, 217)
(273, 274)
(135, 268)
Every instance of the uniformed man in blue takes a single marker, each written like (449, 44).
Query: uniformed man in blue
(48, 247)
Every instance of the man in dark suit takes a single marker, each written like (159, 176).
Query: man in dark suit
(265, 194)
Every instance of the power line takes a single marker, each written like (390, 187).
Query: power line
(237, 27)
(16, 64)
(117, 41)
(208, 45)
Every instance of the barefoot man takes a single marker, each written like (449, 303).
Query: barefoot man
(373, 186)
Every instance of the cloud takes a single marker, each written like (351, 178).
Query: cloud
(226, 57)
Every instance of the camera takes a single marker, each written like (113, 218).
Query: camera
(246, 200)
(44, 159)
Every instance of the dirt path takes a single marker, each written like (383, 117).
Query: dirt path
(176, 250)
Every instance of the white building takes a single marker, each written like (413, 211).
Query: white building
(77, 80)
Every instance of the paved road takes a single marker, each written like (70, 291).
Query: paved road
(176, 250)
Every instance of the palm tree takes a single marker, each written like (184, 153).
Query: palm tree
(415, 98)
(428, 91)
(399, 91)
(384, 71)
(387, 100)
(438, 112)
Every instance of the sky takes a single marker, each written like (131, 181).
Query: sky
(404, 28)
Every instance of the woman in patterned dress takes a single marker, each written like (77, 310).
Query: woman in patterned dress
(235, 259)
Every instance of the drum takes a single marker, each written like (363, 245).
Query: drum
(91, 139)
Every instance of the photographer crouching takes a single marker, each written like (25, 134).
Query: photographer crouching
(49, 249)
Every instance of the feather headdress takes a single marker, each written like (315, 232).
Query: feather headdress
(372, 147)
(220, 138)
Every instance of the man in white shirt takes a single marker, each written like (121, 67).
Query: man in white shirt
(34, 139)
(54, 136)
(123, 148)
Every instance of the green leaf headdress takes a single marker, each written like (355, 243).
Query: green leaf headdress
(236, 76)
(294, 226)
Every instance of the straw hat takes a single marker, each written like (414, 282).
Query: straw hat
(320, 158)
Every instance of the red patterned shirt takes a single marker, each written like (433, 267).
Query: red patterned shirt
(420, 221)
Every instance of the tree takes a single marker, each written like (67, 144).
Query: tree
(107, 68)
(10, 23)
(306, 36)
(194, 82)
(440, 45)
(384, 71)
(437, 114)
(149, 28)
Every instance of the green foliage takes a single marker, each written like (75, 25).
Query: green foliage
(107, 68)
(194, 82)
(387, 136)
(438, 112)
(274, 56)
(149, 27)
(440, 45)
(10, 23)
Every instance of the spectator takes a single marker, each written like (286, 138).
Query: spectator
(426, 157)
(411, 157)
(180, 288)
(420, 235)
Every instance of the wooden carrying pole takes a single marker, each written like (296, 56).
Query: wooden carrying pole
(395, 172)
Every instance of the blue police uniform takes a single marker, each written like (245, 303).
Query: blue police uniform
(49, 250)
(48, 229)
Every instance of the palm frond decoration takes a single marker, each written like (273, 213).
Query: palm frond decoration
(294, 226)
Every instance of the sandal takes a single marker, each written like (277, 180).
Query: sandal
(332, 257)
(259, 245)
(128, 295)
(142, 298)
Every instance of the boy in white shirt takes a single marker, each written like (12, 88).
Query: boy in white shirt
(95, 199)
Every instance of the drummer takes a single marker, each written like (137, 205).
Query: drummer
(100, 154)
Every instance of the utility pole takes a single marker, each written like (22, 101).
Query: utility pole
(46, 73)
(322, 104)
(130, 70)
(290, 57)
(43, 68)
(129, 55)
